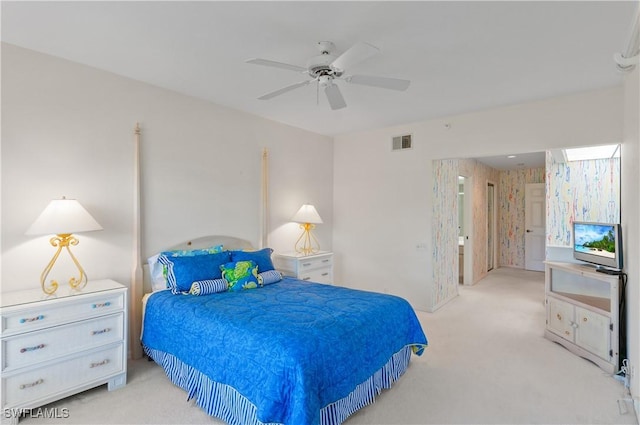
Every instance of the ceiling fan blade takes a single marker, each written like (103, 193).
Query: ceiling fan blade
(336, 101)
(274, 64)
(382, 82)
(284, 90)
(356, 53)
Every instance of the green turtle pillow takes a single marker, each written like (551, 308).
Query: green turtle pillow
(240, 275)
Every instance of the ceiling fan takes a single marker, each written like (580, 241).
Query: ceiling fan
(326, 68)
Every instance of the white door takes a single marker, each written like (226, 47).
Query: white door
(534, 222)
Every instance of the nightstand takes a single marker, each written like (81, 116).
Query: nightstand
(315, 267)
(59, 345)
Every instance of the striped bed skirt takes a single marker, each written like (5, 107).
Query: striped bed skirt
(227, 404)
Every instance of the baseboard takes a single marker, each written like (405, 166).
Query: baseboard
(441, 303)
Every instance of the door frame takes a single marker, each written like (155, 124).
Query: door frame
(529, 262)
(468, 230)
(492, 226)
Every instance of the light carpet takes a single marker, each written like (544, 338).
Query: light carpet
(487, 363)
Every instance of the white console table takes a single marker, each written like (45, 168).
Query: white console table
(583, 312)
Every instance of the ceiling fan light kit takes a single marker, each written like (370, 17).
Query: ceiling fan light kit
(327, 68)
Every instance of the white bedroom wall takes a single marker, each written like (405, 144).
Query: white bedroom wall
(630, 200)
(382, 199)
(68, 130)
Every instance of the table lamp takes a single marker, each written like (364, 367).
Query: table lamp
(63, 217)
(308, 217)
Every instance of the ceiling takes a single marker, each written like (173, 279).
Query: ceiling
(460, 56)
(515, 162)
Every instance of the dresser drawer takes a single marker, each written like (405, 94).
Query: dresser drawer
(48, 314)
(314, 268)
(306, 264)
(319, 276)
(33, 347)
(28, 387)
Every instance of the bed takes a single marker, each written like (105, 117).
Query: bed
(286, 352)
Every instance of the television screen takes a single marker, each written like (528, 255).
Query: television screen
(597, 243)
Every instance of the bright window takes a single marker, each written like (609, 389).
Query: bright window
(592, 152)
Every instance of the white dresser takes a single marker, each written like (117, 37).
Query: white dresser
(56, 346)
(315, 267)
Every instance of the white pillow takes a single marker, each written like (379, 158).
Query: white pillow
(156, 274)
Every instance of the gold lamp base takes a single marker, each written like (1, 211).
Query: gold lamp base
(62, 240)
(307, 243)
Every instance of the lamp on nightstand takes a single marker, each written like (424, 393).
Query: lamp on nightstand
(63, 217)
(308, 217)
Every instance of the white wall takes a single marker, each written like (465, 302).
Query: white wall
(381, 213)
(630, 211)
(382, 199)
(68, 130)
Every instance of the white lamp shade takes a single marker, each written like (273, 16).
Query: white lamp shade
(307, 214)
(63, 216)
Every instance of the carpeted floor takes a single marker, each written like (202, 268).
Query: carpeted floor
(487, 363)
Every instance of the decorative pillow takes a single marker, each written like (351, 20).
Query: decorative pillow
(262, 258)
(240, 275)
(267, 278)
(158, 271)
(210, 286)
(183, 271)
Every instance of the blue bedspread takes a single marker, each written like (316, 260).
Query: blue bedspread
(290, 348)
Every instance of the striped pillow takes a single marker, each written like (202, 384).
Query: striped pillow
(209, 286)
(269, 277)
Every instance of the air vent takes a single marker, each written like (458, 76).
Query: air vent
(401, 142)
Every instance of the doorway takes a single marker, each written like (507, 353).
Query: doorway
(465, 230)
(491, 225)
(534, 219)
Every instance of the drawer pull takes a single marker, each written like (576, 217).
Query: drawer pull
(31, 319)
(325, 261)
(33, 384)
(584, 319)
(100, 305)
(325, 274)
(306, 278)
(559, 316)
(102, 363)
(36, 347)
(306, 264)
(101, 331)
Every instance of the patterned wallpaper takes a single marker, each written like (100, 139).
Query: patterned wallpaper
(445, 223)
(511, 227)
(445, 231)
(481, 175)
(582, 191)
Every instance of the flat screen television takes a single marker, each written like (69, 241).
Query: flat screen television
(598, 243)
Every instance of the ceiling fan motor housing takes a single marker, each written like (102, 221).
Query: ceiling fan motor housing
(321, 65)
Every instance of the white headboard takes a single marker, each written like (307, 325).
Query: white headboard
(228, 242)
